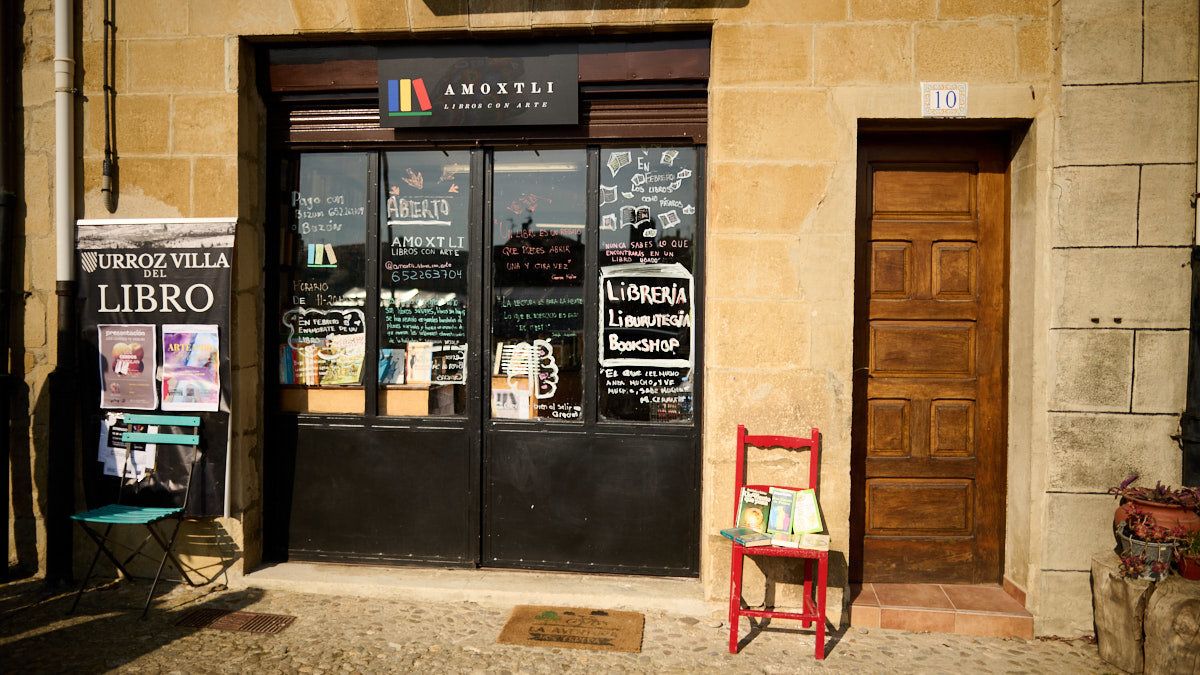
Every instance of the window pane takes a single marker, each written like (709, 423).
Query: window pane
(423, 257)
(323, 287)
(538, 216)
(648, 225)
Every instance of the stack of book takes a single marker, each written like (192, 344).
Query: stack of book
(778, 517)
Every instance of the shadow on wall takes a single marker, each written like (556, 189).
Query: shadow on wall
(25, 514)
(456, 7)
(206, 550)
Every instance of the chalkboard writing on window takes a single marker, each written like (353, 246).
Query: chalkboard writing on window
(424, 243)
(323, 332)
(539, 216)
(649, 219)
(648, 206)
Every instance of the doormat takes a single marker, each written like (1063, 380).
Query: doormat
(245, 622)
(574, 627)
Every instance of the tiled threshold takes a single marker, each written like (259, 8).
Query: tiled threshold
(985, 611)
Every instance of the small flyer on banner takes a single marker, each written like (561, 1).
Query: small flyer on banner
(114, 453)
(191, 376)
(127, 366)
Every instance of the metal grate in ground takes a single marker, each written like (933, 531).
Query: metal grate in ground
(246, 622)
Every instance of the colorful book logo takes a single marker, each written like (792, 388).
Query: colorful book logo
(321, 255)
(400, 98)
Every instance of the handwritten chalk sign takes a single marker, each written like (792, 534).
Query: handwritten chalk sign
(424, 323)
(646, 393)
(449, 364)
(544, 257)
(539, 310)
(323, 347)
(646, 315)
(648, 211)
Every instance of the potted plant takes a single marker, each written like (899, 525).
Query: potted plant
(1170, 508)
(1145, 541)
(1187, 557)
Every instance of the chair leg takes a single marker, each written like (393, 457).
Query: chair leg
(104, 549)
(91, 568)
(822, 578)
(162, 563)
(735, 598)
(808, 580)
(171, 554)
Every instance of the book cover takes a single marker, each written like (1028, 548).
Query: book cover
(807, 515)
(419, 363)
(816, 542)
(746, 536)
(786, 540)
(753, 508)
(783, 503)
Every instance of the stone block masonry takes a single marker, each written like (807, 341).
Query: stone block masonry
(1101, 212)
(1124, 173)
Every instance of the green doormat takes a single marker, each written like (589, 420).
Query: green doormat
(574, 627)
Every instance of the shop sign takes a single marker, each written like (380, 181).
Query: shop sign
(478, 85)
(155, 318)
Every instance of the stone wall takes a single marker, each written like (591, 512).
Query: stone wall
(1124, 172)
(790, 81)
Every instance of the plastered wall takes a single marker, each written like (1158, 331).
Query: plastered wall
(790, 81)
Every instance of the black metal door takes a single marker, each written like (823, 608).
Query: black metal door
(378, 461)
(542, 458)
(603, 475)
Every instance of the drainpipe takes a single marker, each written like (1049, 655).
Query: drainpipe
(61, 461)
(1189, 422)
(9, 40)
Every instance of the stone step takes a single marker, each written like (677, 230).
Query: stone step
(980, 610)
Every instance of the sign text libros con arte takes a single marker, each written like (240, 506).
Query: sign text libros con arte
(478, 85)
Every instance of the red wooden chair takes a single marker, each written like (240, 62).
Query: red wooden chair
(814, 607)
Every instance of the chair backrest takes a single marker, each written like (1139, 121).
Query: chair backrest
(745, 440)
(192, 440)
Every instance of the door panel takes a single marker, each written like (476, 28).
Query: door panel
(381, 494)
(565, 500)
(929, 439)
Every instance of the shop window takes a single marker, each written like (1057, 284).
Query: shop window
(323, 285)
(640, 211)
(648, 205)
(423, 300)
(539, 215)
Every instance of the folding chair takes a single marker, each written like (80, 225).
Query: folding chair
(813, 609)
(148, 516)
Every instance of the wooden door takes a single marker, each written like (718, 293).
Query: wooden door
(930, 360)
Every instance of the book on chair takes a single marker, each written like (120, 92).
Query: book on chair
(746, 536)
(754, 508)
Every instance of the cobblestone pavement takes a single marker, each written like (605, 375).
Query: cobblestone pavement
(348, 634)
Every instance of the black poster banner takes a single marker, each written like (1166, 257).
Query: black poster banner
(465, 85)
(156, 272)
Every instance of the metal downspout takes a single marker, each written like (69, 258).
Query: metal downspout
(62, 382)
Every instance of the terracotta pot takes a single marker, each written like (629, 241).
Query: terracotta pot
(1165, 515)
(1189, 567)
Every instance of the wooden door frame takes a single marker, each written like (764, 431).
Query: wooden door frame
(922, 143)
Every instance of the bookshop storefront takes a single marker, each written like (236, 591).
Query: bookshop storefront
(484, 297)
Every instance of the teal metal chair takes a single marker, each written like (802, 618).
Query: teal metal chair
(147, 516)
